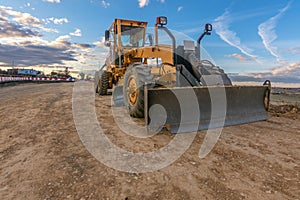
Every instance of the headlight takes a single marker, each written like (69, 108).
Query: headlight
(208, 27)
(161, 20)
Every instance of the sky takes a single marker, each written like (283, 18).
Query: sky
(252, 40)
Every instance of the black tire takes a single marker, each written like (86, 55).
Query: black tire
(135, 78)
(103, 84)
(205, 68)
(96, 82)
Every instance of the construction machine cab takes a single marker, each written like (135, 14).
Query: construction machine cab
(122, 36)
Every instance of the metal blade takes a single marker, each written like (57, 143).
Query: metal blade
(237, 105)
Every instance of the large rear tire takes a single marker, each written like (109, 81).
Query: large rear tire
(103, 83)
(135, 78)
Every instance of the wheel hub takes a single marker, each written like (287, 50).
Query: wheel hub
(132, 91)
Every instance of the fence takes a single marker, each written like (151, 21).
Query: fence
(16, 79)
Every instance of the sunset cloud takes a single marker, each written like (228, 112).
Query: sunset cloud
(239, 57)
(22, 41)
(289, 73)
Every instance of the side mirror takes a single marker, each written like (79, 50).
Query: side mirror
(107, 43)
(106, 35)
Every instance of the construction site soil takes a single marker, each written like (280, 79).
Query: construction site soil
(42, 156)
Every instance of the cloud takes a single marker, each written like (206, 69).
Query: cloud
(55, 20)
(57, 52)
(52, 1)
(105, 4)
(22, 43)
(62, 38)
(76, 33)
(28, 5)
(266, 31)
(221, 25)
(101, 43)
(291, 69)
(292, 50)
(179, 8)
(240, 57)
(285, 74)
(18, 24)
(8, 14)
(11, 30)
(83, 46)
(143, 3)
(34, 55)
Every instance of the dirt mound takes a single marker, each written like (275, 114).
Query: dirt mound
(284, 108)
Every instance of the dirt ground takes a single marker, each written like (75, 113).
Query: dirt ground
(42, 157)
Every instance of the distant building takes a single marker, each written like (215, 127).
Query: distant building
(23, 72)
(30, 72)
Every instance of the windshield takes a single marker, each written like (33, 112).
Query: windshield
(132, 36)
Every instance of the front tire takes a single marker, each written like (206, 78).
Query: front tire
(135, 78)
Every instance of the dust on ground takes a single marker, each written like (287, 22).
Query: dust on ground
(42, 157)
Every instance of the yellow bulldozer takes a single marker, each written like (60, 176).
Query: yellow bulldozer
(179, 90)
